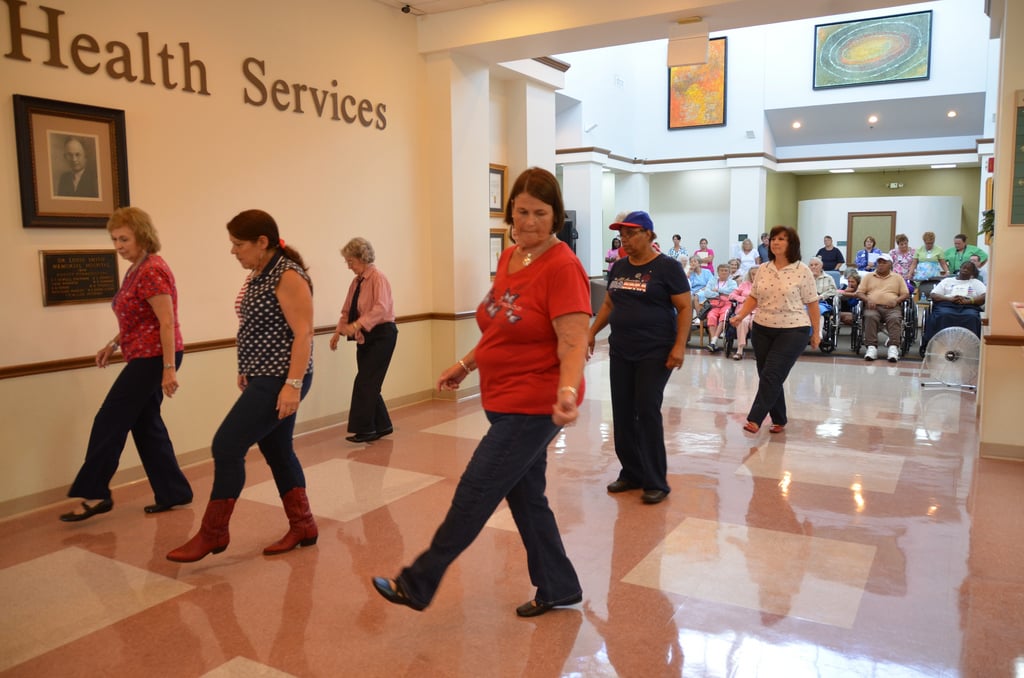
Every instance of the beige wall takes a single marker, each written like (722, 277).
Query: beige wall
(194, 161)
(1002, 360)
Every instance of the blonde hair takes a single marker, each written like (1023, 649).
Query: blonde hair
(140, 224)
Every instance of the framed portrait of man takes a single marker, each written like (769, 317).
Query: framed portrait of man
(72, 162)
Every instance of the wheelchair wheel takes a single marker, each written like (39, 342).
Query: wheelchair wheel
(909, 326)
(857, 330)
(730, 331)
(830, 329)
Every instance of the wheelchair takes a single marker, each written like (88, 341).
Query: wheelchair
(730, 331)
(909, 336)
(830, 327)
(971, 322)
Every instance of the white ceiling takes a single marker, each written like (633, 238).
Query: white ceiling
(916, 120)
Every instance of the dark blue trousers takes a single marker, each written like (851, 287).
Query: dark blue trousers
(253, 420)
(133, 404)
(368, 413)
(776, 350)
(638, 388)
(509, 463)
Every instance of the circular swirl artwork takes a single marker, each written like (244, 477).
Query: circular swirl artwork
(886, 49)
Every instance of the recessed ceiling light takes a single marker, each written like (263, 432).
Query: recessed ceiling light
(947, 166)
(841, 171)
(872, 119)
(951, 114)
(797, 124)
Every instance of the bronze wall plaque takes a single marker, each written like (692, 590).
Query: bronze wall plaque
(78, 276)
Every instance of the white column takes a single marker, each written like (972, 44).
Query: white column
(582, 192)
(748, 188)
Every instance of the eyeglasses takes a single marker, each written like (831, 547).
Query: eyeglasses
(627, 233)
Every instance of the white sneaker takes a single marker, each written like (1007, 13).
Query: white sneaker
(894, 354)
(871, 353)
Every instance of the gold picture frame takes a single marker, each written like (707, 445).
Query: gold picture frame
(497, 182)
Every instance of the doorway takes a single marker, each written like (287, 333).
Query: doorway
(879, 225)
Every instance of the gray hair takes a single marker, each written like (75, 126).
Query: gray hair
(813, 259)
(359, 248)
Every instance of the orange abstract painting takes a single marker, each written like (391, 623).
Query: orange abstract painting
(696, 94)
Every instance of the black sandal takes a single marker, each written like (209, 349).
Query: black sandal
(101, 507)
(392, 591)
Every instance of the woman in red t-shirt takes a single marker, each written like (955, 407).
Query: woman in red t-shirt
(531, 356)
(146, 307)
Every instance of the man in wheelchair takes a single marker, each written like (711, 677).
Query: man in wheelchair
(956, 302)
(882, 294)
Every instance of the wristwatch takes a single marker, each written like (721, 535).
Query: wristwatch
(294, 383)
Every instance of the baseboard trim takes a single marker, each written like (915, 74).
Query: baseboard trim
(1001, 451)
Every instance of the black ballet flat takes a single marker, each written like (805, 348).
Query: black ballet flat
(535, 608)
(392, 591)
(89, 511)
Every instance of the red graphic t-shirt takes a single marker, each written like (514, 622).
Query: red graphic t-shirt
(140, 329)
(518, 352)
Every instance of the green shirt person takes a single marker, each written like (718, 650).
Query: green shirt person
(961, 252)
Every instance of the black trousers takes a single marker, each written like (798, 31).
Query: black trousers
(133, 404)
(367, 413)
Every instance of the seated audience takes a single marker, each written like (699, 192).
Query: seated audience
(982, 274)
(865, 258)
(699, 279)
(825, 284)
(848, 296)
(739, 295)
(956, 302)
(882, 292)
(717, 293)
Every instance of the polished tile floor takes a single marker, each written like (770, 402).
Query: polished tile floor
(868, 539)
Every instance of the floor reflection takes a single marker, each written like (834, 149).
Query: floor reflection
(866, 540)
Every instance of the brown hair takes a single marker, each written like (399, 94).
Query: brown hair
(251, 224)
(792, 247)
(141, 226)
(542, 185)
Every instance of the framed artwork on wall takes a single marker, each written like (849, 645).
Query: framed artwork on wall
(498, 242)
(696, 94)
(498, 190)
(872, 51)
(72, 162)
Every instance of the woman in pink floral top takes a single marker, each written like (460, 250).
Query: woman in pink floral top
(902, 257)
(146, 307)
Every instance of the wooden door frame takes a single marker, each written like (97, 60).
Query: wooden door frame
(851, 247)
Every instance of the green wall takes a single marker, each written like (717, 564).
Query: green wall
(780, 203)
(964, 183)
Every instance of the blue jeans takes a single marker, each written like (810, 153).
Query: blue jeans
(638, 388)
(133, 404)
(776, 350)
(253, 420)
(509, 463)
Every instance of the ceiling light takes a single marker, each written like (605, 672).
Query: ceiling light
(947, 166)
(797, 124)
(872, 119)
(841, 171)
(951, 114)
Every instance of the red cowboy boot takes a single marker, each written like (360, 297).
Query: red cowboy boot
(302, 530)
(212, 537)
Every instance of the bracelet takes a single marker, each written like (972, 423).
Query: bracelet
(570, 389)
(168, 366)
(464, 366)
